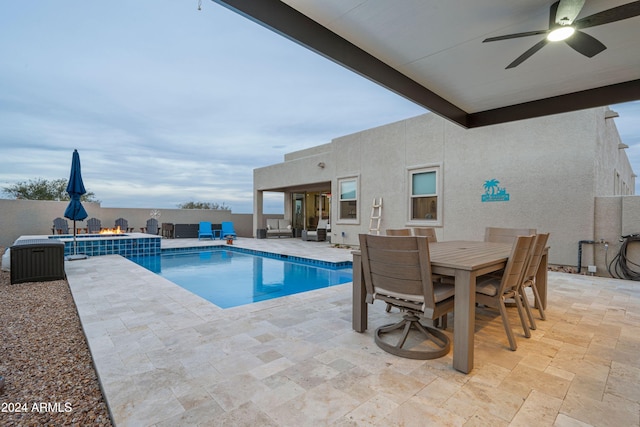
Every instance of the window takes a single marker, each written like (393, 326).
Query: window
(424, 195)
(348, 207)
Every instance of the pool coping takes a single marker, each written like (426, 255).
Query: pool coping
(302, 260)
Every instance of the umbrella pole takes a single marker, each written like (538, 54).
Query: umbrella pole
(75, 255)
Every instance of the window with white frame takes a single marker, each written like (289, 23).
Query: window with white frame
(424, 194)
(348, 199)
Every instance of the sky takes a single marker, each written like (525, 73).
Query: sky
(168, 104)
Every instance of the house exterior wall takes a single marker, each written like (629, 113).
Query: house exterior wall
(552, 167)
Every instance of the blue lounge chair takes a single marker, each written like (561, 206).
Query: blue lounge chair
(228, 231)
(205, 230)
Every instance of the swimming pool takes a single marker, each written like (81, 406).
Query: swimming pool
(229, 278)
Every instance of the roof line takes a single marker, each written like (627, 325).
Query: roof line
(288, 22)
(597, 97)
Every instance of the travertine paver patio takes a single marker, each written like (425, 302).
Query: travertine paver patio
(165, 357)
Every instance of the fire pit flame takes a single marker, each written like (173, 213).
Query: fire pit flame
(111, 231)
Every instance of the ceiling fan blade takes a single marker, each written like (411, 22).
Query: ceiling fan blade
(567, 11)
(585, 44)
(515, 36)
(553, 11)
(619, 13)
(536, 47)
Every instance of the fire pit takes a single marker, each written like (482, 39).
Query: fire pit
(111, 231)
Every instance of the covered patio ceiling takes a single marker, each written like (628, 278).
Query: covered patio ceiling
(432, 53)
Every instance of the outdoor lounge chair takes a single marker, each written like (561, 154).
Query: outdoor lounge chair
(279, 227)
(60, 226)
(320, 233)
(397, 270)
(94, 225)
(205, 230)
(228, 231)
(151, 227)
(123, 224)
(492, 291)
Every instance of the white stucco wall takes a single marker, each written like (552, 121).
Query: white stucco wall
(552, 167)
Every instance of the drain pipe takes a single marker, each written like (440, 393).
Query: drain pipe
(580, 243)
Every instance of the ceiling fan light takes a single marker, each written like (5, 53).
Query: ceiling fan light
(561, 33)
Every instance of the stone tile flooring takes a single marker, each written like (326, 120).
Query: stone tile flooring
(166, 357)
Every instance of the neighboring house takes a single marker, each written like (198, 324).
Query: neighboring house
(545, 173)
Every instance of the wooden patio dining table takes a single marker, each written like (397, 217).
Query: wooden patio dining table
(463, 260)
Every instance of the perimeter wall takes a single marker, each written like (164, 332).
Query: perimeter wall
(35, 217)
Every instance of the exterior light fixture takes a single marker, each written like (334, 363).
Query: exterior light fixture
(321, 165)
(561, 33)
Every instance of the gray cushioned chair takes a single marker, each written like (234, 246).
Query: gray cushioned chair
(397, 270)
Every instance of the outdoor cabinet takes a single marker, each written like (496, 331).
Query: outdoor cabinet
(185, 231)
(37, 260)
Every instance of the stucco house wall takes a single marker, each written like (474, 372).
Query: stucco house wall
(553, 168)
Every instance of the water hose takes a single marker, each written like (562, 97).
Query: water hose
(620, 266)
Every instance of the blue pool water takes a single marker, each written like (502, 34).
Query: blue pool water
(229, 278)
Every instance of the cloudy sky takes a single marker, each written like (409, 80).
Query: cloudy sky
(167, 104)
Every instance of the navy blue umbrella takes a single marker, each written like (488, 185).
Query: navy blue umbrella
(75, 211)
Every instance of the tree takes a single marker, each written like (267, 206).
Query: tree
(42, 189)
(491, 186)
(204, 205)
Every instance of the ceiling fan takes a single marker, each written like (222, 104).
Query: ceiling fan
(563, 26)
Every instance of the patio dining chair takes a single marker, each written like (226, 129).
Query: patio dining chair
(492, 291)
(529, 280)
(397, 271)
(506, 235)
(428, 232)
(398, 232)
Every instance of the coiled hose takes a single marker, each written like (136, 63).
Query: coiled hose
(620, 266)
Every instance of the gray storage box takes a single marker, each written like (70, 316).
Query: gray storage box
(37, 260)
(185, 231)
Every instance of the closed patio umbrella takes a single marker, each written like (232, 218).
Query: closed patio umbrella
(75, 211)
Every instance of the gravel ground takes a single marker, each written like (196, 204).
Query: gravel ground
(49, 378)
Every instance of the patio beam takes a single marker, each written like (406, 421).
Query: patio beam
(288, 22)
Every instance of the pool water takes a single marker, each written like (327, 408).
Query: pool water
(229, 279)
